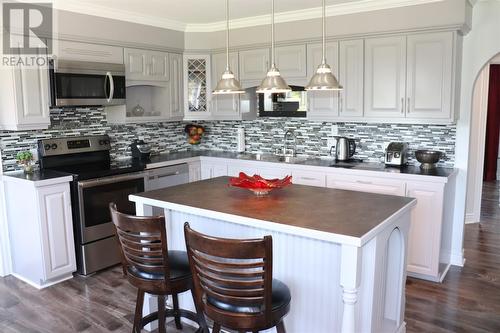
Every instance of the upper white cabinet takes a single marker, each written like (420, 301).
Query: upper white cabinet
(89, 52)
(176, 84)
(145, 65)
(226, 107)
(385, 77)
(429, 76)
(410, 77)
(254, 64)
(351, 77)
(323, 105)
(291, 61)
(197, 87)
(24, 96)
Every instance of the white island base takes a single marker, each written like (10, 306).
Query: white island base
(339, 283)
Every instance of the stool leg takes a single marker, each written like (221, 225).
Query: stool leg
(161, 314)
(201, 317)
(216, 328)
(175, 300)
(138, 311)
(280, 328)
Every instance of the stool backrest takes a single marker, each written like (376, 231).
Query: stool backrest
(237, 272)
(143, 242)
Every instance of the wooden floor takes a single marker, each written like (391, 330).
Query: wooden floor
(467, 301)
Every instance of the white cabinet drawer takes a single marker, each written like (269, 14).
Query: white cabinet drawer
(366, 184)
(309, 178)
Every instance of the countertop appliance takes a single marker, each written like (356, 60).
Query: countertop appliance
(290, 104)
(80, 83)
(140, 150)
(96, 183)
(396, 154)
(344, 148)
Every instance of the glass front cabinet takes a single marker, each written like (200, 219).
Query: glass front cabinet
(197, 89)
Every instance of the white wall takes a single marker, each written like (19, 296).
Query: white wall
(444, 14)
(479, 47)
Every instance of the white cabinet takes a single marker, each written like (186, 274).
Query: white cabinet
(194, 171)
(89, 52)
(254, 64)
(366, 184)
(425, 229)
(146, 65)
(323, 105)
(225, 107)
(197, 87)
(176, 85)
(429, 76)
(213, 169)
(385, 77)
(40, 229)
(291, 61)
(56, 231)
(309, 178)
(24, 96)
(351, 77)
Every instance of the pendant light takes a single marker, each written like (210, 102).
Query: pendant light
(324, 79)
(273, 82)
(228, 84)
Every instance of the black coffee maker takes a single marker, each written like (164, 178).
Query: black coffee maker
(140, 150)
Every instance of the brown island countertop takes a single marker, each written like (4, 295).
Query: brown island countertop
(347, 213)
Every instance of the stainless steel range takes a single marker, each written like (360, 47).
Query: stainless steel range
(96, 183)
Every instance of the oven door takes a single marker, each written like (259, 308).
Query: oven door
(94, 197)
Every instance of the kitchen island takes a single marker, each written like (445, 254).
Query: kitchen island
(342, 253)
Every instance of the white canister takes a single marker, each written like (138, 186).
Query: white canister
(240, 140)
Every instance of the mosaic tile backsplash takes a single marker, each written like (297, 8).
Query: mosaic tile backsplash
(263, 135)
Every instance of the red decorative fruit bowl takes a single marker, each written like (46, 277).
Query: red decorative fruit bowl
(258, 185)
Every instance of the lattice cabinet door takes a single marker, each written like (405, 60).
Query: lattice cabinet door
(197, 89)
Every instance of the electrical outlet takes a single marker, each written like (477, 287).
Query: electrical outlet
(330, 142)
(335, 130)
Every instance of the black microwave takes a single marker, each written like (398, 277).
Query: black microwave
(289, 104)
(80, 83)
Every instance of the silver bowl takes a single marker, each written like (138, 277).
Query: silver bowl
(428, 158)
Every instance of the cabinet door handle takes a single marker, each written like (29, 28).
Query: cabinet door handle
(402, 105)
(308, 178)
(341, 103)
(364, 182)
(408, 106)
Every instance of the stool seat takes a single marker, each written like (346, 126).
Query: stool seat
(280, 300)
(178, 264)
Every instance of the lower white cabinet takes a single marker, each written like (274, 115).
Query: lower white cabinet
(366, 184)
(425, 229)
(194, 171)
(40, 230)
(210, 169)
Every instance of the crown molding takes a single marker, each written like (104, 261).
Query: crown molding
(289, 16)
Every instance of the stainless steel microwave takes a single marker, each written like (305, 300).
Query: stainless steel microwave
(80, 83)
(290, 104)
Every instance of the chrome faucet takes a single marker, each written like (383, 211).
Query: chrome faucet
(292, 151)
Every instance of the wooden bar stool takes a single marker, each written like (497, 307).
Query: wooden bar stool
(153, 269)
(233, 282)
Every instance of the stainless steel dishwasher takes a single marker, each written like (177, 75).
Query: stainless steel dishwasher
(166, 176)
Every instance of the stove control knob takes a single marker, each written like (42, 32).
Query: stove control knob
(53, 146)
(101, 142)
(47, 146)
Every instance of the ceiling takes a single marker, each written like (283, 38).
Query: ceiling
(209, 15)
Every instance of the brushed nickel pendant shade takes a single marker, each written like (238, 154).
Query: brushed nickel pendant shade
(324, 79)
(273, 82)
(228, 84)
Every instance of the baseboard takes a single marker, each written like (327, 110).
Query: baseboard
(402, 328)
(42, 286)
(471, 218)
(457, 259)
